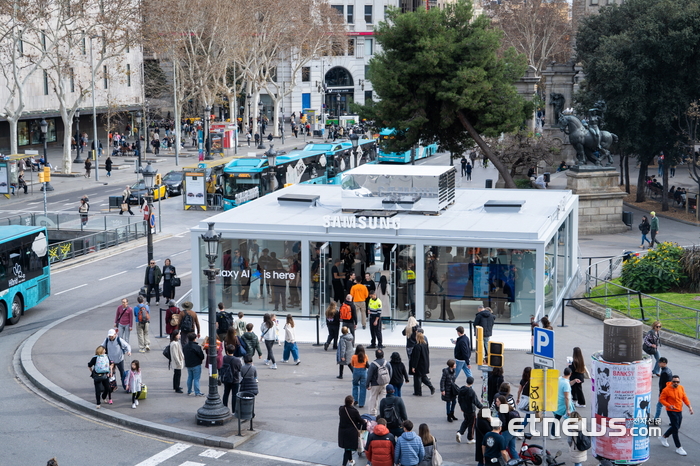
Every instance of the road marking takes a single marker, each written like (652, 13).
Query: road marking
(164, 455)
(192, 463)
(270, 457)
(178, 253)
(70, 203)
(70, 289)
(104, 204)
(33, 203)
(105, 278)
(212, 453)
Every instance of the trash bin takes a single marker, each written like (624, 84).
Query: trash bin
(318, 133)
(546, 177)
(115, 202)
(489, 184)
(245, 404)
(627, 218)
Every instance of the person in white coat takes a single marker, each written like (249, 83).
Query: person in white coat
(177, 359)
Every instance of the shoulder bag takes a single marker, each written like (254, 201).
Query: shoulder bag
(175, 281)
(360, 442)
(437, 457)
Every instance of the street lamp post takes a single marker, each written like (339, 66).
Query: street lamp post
(337, 107)
(149, 174)
(44, 131)
(249, 122)
(355, 140)
(146, 139)
(213, 413)
(260, 123)
(271, 163)
(207, 145)
(77, 139)
(95, 139)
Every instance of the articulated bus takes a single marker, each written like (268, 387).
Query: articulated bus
(24, 271)
(317, 163)
(422, 151)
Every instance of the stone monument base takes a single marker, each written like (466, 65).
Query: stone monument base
(600, 199)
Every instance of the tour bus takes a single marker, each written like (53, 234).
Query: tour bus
(24, 271)
(422, 151)
(248, 178)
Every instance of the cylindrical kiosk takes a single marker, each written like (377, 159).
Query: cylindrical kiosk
(622, 385)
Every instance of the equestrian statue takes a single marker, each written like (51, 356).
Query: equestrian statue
(590, 142)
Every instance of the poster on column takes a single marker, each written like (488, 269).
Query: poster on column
(622, 391)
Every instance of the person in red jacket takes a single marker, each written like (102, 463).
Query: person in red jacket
(380, 445)
(673, 397)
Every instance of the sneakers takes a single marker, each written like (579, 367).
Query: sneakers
(97, 407)
(580, 406)
(133, 405)
(325, 347)
(298, 361)
(110, 402)
(459, 437)
(471, 441)
(681, 451)
(663, 441)
(351, 463)
(284, 361)
(266, 362)
(554, 437)
(137, 402)
(274, 366)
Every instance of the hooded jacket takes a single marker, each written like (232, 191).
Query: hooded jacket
(380, 447)
(346, 349)
(409, 449)
(674, 396)
(485, 319)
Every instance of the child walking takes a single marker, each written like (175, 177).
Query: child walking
(133, 384)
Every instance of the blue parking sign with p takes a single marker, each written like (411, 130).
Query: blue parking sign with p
(544, 343)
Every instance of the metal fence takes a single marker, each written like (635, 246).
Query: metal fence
(58, 252)
(72, 221)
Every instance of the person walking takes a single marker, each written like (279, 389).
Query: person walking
(523, 398)
(252, 342)
(134, 383)
(429, 444)
(645, 227)
(673, 397)
(410, 333)
(83, 210)
(493, 447)
(99, 371)
(344, 354)
(333, 325)
(481, 428)
(375, 320)
(143, 319)
(379, 449)
(652, 342)
(359, 364)
(348, 315)
(108, 166)
(449, 390)
(578, 457)
(654, 228)
(125, 206)
(467, 399)
(469, 171)
(177, 359)
(508, 417)
(151, 280)
(399, 374)
(420, 366)
(21, 183)
(169, 275)
(349, 429)
(290, 341)
(232, 367)
(462, 353)
(564, 402)
(409, 450)
(579, 372)
(463, 162)
(194, 356)
(124, 319)
(115, 347)
(665, 377)
(88, 167)
(393, 410)
(268, 334)
(378, 377)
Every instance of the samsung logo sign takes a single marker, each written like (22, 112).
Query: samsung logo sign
(372, 223)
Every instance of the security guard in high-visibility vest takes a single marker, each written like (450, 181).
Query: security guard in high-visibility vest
(375, 320)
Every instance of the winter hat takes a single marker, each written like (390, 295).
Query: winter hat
(390, 388)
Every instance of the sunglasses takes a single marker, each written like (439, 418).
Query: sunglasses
(657, 326)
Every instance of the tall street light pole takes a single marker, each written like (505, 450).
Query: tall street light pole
(44, 133)
(260, 123)
(95, 139)
(77, 139)
(149, 174)
(207, 146)
(146, 138)
(213, 413)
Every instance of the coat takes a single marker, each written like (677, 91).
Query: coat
(346, 349)
(157, 275)
(350, 423)
(447, 385)
(177, 358)
(380, 447)
(420, 359)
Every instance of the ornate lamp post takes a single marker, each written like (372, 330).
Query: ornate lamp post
(149, 174)
(139, 117)
(355, 140)
(44, 130)
(207, 145)
(260, 112)
(271, 163)
(77, 139)
(337, 107)
(213, 412)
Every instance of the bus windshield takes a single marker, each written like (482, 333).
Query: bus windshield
(240, 182)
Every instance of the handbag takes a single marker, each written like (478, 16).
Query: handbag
(124, 207)
(437, 457)
(524, 403)
(175, 281)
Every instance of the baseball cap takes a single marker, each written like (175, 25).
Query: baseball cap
(111, 332)
(390, 388)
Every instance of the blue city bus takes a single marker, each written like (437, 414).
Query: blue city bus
(24, 271)
(248, 178)
(422, 151)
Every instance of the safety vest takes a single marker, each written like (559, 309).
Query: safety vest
(375, 304)
(410, 275)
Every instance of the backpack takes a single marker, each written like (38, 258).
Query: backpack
(102, 364)
(346, 313)
(390, 415)
(583, 441)
(144, 316)
(186, 323)
(175, 319)
(224, 320)
(226, 374)
(383, 375)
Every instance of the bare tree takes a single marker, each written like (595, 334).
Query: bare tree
(518, 151)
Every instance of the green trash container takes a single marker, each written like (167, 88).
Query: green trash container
(245, 405)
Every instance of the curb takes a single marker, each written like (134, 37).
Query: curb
(661, 214)
(40, 382)
(674, 340)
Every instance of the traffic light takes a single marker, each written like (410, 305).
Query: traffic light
(495, 354)
(45, 175)
(479, 345)
(159, 179)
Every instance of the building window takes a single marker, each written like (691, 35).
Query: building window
(339, 76)
(104, 76)
(368, 96)
(368, 14)
(305, 74)
(367, 73)
(369, 47)
(339, 8)
(46, 83)
(594, 2)
(72, 79)
(128, 75)
(351, 14)
(351, 47)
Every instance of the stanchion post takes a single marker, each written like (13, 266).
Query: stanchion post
(563, 306)
(318, 330)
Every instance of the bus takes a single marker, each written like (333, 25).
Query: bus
(248, 178)
(422, 151)
(24, 271)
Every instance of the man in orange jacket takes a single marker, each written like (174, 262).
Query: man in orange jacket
(673, 397)
(359, 296)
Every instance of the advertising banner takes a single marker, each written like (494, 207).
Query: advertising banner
(194, 189)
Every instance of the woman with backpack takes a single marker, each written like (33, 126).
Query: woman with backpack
(99, 371)
(577, 456)
(645, 228)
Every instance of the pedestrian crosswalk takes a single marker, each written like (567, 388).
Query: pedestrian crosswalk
(183, 454)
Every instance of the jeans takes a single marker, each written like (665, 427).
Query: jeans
(290, 348)
(120, 365)
(462, 366)
(193, 375)
(124, 331)
(675, 417)
(397, 389)
(510, 444)
(644, 238)
(656, 369)
(359, 385)
(450, 406)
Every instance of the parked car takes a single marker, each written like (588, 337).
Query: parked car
(138, 191)
(173, 182)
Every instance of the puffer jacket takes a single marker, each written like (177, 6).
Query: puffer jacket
(345, 349)
(380, 447)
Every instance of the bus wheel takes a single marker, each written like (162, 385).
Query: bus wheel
(17, 310)
(3, 316)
